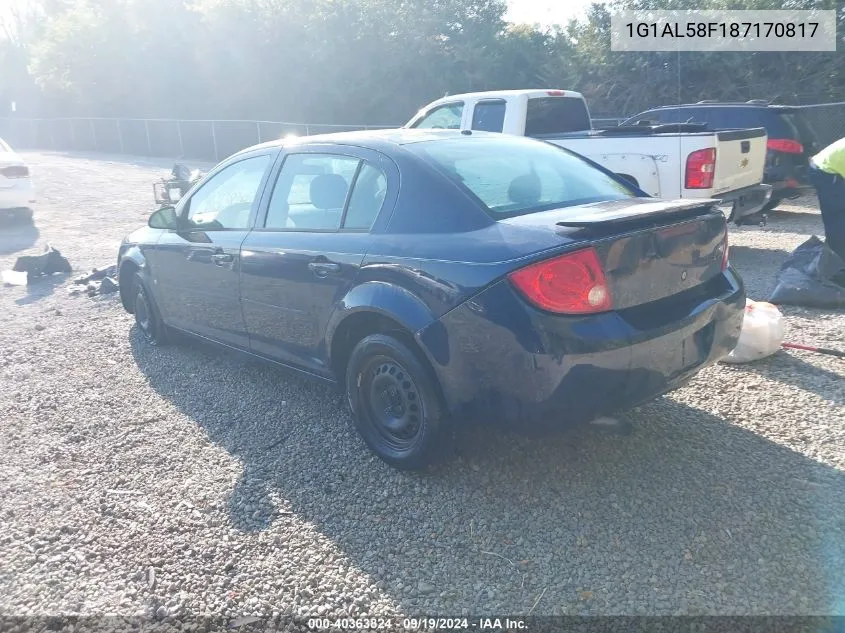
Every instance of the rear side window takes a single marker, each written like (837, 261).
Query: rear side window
(489, 116)
(736, 118)
(556, 115)
(513, 176)
(366, 199)
(803, 131)
(313, 191)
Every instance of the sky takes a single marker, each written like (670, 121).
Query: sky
(546, 12)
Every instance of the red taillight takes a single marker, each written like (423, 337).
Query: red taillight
(701, 166)
(570, 284)
(15, 171)
(555, 93)
(725, 260)
(785, 145)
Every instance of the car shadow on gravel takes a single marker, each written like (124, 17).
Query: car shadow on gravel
(789, 369)
(689, 514)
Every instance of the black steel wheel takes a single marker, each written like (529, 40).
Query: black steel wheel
(395, 403)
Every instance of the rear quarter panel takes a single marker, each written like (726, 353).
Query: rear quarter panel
(656, 161)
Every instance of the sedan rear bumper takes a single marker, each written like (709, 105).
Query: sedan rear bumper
(498, 358)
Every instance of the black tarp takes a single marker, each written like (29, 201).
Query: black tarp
(812, 276)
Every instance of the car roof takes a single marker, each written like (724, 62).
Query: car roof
(385, 139)
(493, 94)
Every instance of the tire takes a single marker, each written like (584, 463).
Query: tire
(147, 316)
(395, 403)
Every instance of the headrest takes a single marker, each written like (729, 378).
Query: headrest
(525, 189)
(328, 191)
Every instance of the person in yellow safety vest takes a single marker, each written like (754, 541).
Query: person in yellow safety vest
(827, 175)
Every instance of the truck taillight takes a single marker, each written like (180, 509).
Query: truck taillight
(701, 167)
(570, 284)
(785, 145)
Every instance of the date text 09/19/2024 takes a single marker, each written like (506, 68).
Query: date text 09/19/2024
(722, 29)
(417, 624)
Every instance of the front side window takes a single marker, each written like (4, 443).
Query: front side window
(313, 191)
(514, 176)
(226, 199)
(446, 117)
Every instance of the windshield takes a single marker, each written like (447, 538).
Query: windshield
(513, 176)
(803, 130)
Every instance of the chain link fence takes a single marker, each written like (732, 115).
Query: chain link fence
(200, 140)
(214, 140)
(827, 119)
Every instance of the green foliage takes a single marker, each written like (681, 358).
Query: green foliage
(365, 61)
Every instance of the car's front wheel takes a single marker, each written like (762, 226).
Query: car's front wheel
(147, 317)
(395, 403)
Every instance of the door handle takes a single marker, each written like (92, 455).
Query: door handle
(220, 259)
(323, 269)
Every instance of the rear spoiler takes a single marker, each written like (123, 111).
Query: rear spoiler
(623, 212)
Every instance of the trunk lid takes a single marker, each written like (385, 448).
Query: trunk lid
(649, 249)
(740, 159)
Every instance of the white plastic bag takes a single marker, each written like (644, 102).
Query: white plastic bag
(15, 278)
(761, 335)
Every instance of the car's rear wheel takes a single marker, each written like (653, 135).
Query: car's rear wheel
(395, 403)
(147, 316)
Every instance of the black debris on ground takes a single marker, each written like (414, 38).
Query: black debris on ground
(48, 263)
(98, 281)
(813, 276)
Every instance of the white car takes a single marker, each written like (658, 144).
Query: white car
(17, 193)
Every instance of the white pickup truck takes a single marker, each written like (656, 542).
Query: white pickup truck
(666, 161)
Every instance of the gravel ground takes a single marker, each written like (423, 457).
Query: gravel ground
(183, 480)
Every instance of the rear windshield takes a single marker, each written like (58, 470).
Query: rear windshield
(513, 176)
(805, 133)
(556, 115)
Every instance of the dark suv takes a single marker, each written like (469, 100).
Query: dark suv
(791, 140)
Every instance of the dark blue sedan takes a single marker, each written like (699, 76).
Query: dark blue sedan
(439, 277)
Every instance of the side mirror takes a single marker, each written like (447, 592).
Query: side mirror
(164, 218)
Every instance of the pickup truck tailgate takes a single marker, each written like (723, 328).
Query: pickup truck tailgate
(740, 159)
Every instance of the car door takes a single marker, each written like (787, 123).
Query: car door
(196, 269)
(304, 255)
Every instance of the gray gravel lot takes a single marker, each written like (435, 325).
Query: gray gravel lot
(185, 480)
